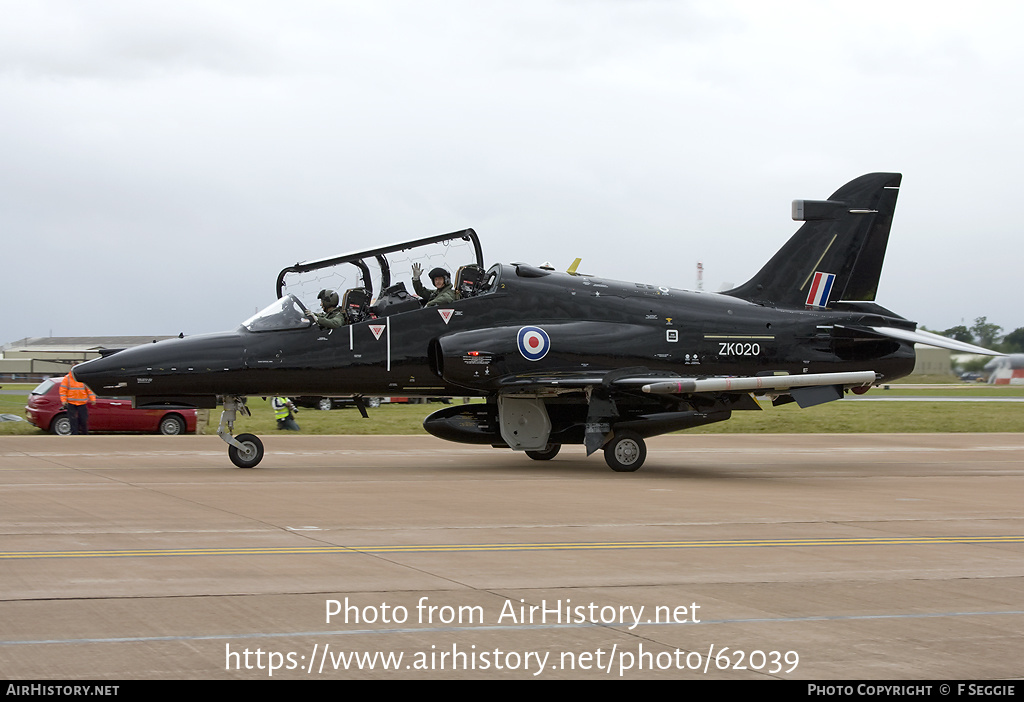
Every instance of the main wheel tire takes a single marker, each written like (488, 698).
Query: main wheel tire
(61, 425)
(172, 425)
(251, 455)
(547, 454)
(626, 452)
(324, 403)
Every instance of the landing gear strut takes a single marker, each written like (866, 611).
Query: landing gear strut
(244, 450)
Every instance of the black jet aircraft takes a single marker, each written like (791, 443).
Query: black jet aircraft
(562, 358)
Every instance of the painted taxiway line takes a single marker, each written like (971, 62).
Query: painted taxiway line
(478, 548)
(419, 452)
(518, 627)
(219, 454)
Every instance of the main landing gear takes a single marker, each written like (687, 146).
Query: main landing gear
(244, 450)
(625, 452)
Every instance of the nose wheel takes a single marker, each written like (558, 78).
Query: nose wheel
(244, 450)
(250, 453)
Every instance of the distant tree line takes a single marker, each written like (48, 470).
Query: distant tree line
(987, 335)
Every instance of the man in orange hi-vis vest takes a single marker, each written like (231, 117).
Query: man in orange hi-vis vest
(74, 396)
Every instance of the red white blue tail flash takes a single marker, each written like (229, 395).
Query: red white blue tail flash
(820, 289)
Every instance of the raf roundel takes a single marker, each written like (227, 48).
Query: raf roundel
(533, 343)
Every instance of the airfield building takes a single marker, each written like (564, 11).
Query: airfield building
(34, 359)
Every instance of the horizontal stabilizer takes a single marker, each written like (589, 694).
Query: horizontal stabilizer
(923, 337)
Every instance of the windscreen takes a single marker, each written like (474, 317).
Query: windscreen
(286, 313)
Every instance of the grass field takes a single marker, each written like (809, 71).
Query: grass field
(834, 417)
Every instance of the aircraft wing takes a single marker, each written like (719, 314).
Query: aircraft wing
(604, 389)
(661, 384)
(622, 378)
(687, 386)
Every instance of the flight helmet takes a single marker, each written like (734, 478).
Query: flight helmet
(328, 299)
(441, 273)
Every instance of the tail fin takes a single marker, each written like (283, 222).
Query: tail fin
(837, 254)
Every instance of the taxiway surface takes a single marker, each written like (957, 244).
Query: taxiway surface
(726, 556)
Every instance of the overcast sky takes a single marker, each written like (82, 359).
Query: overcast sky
(160, 162)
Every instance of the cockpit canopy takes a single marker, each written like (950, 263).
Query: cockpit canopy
(375, 270)
(374, 293)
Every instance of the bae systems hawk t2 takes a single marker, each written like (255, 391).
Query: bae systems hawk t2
(560, 358)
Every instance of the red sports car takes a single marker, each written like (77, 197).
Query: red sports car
(45, 411)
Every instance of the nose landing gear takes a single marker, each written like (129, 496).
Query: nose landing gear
(244, 450)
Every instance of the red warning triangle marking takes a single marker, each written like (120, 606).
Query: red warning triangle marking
(377, 330)
(446, 314)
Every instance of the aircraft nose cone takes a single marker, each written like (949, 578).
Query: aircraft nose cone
(97, 373)
(176, 366)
